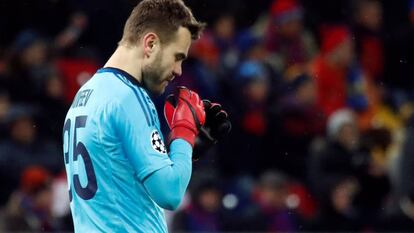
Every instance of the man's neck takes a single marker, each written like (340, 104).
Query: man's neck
(126, 59)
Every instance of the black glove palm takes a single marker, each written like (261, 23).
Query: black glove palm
(216, 127)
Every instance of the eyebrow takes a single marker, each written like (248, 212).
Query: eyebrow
(180, 56)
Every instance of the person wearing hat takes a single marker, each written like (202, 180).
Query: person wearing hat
(338, 157)
(334, 172)
(331, 66)
(285, 39)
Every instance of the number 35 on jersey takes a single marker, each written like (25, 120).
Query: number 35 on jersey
(81, 174)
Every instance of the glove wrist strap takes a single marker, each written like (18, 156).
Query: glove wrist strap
(184, 133)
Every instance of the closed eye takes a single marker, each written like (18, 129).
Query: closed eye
(180, 56)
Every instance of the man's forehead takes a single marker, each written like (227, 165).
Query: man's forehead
(182, 40)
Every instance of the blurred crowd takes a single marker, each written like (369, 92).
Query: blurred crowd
(322, 118)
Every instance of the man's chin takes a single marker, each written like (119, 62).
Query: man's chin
(159, 90)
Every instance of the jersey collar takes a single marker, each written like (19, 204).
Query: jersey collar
(121, 72)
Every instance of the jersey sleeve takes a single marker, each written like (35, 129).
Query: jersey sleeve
(141, 142)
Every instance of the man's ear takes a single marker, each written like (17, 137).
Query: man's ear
(151, 42)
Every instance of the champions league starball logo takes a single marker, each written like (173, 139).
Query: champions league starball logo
(157, 142)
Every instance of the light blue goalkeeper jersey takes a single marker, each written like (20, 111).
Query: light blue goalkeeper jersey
(112, 143)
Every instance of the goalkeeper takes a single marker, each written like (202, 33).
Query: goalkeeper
(120, 173)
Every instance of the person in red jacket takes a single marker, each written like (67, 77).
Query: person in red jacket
(330, 68)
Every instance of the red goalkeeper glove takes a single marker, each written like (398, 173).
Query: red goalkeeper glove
(185, 115)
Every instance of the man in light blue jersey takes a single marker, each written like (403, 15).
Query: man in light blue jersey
(121, 175)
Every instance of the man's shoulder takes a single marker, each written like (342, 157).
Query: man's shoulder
(105, 88)
(109, 84)
(116, 93)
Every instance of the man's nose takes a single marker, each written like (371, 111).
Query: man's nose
(177, 71)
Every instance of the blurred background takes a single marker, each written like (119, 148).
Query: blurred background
(320, 94)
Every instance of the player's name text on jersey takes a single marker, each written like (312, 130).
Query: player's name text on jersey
(81, 99)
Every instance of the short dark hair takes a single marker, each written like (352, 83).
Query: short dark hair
(164, 17)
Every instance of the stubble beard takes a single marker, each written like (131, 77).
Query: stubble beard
(152, 77)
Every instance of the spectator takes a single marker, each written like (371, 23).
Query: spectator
(254, 83)
(225, 38)
(26, 66)
(400, 218)
(216, 47)
(213, 57)
(330, 68)
(199, 76)
(286, 40)
(368, 38)
(336, 211)
(203, 213)
(53, 106)
(297, 119)
(29, 207)
(374, 180)
(339, 157)
(24, 148)
(251, 123)
(272, 196)
(4, 109)
(68, 37)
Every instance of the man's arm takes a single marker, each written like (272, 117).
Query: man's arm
(185, 115)
(165, 177)
(167, 185)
